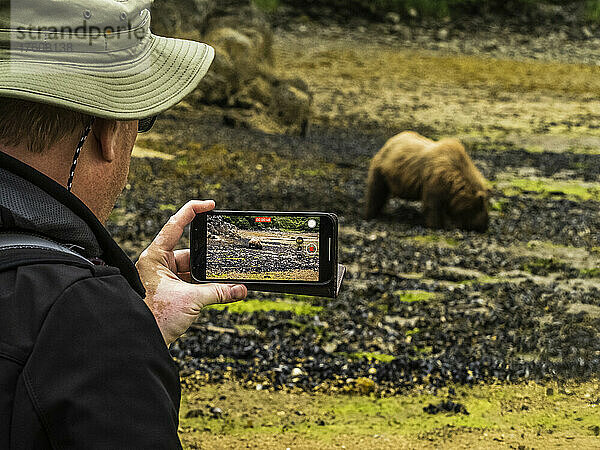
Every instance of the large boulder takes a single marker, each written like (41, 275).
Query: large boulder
(291, 105)
(241, 79)
(173, 17)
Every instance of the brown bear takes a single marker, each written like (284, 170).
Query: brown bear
(440, 174)
(255, 243)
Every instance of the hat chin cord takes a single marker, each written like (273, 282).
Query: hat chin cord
(77, 153)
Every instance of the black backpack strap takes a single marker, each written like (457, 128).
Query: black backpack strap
(18, 249)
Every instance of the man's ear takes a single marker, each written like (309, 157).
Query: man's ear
(106, 132)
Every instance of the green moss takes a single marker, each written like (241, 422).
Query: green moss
(250, 306)
(570, 189)
(167, 207)
(412, 332)
(491, 280)
(266, 5)
(590, 273)
(414, 296)
(371, 356)
(592, 10)
(493, 409)
(245, 329)
(296, 324)
(499, 205)
(543, 266)
(426, 350)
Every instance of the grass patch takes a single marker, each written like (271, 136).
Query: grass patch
(266, 5)
(370, 356)
(592, 10)
(522, 414)
(305, 274)
(467, 71)
(584, 150)
(590, 273)
(543, 266)
(571, 189)
(167, 207)
(499, 205)
(250, 306)
(414, 296)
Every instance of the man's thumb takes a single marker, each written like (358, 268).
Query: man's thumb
(222, 293)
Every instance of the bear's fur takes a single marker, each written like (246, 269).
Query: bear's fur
(440, 174)
(255, 243)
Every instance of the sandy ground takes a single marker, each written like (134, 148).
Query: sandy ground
(523, 296)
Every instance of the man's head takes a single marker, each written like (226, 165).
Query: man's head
(74, 61)
(45, 137)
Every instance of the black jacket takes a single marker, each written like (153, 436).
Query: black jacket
(82, 361)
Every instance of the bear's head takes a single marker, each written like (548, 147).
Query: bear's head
(470, 211)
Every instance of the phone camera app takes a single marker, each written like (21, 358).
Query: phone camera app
(248, 247)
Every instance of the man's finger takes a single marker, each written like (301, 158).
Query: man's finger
(182, 260)
(187, 277)
(222, 293)
(170, 234)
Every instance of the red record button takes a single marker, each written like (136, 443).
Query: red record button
(311, 248)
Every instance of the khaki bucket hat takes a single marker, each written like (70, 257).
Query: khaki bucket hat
(97, 57)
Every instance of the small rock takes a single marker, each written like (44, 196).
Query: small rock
(216, 412)
(291, 105)
(446, 406)
(330, 347)
(194, 413)
(296, 372)
(587, 33)
(365, 385)
(443, 34)
(402, 30)
(392, 17)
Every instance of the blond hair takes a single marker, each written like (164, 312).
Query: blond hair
(37, 125)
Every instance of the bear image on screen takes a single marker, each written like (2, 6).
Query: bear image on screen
(275, 248)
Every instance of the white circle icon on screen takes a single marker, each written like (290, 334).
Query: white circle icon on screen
(312, 223)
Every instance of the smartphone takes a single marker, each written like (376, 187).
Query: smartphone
(286, 252)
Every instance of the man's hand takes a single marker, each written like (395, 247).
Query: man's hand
(165, 273)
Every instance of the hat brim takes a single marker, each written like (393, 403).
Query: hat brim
(168, 71)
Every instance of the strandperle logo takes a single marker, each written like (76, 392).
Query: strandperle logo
(72, 33)
(40, 38)
(72, 27)
(86, 31)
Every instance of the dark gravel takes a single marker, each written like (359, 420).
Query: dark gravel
(471, 331)
(447, 406)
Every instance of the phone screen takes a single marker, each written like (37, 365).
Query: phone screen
(262, 247)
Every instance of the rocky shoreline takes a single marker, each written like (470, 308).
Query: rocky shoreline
(419, 308)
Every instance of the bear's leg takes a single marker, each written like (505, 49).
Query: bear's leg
(377, 193)
(433, 210)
